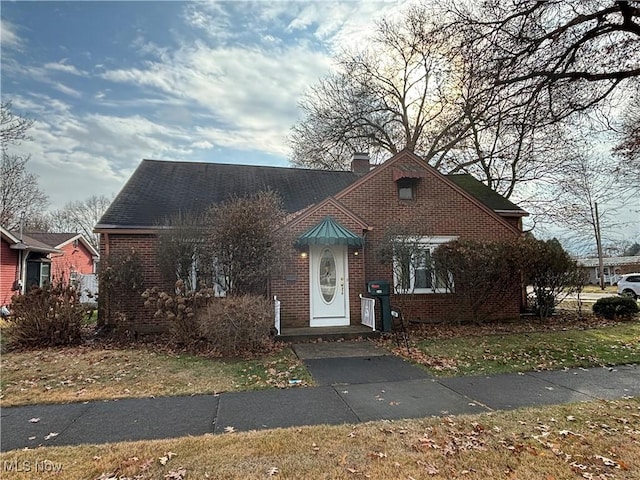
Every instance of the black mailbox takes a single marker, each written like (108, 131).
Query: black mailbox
(378, 288)
(381, 290)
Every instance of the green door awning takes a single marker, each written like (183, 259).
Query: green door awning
(329, 232)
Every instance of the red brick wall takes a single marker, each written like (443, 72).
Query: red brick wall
(439, 209)
(137, 317)
(292, 289)
(8, 271)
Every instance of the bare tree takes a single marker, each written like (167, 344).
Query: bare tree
(80, 216)
(628, 148)
(399, 93)
(13, 128)
(405, 252)
(587, 199)
(20, 195)
(425, 86)
(245, 243)
(567, 54)
(180, 252)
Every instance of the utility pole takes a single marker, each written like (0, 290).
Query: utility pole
(599, 245)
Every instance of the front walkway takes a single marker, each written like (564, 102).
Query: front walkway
(358, 383)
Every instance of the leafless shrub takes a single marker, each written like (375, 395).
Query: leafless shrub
(48, 317)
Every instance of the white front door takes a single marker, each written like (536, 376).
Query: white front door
(329, 285)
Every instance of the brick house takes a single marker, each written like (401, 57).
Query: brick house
(28, 259)
(338, 220)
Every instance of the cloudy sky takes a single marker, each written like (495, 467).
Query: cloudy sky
(111, 83)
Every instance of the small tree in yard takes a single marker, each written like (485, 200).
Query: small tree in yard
(245, 241)
(180, 250)
(120, 277)
(552, 273)
(485, 275)
(405, 252)
(237, 246)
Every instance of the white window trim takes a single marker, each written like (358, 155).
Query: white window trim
(430, 243)
(218, 280)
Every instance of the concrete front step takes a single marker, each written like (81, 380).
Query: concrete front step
(302, 334)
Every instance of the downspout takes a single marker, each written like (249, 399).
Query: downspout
(23, 271)
(23, 261)
(19, 271)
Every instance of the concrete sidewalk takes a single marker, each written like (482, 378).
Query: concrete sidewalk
(367, 386)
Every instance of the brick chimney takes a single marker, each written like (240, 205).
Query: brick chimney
(360, 163)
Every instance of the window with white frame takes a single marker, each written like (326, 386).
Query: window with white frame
(213, 276)
(414, 270)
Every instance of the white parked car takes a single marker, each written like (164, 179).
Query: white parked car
(629, 285)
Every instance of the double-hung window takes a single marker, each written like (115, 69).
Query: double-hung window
(414, 269)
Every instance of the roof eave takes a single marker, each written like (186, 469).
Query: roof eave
(512, 213)
(28, 248)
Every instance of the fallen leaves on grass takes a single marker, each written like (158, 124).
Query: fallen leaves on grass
(430, 467)
(166, 457)
(176, 474)
(439, 363)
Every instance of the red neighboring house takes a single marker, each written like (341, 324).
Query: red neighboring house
(34, 259)
(338, 220)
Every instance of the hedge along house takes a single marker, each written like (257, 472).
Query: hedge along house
(338, 221)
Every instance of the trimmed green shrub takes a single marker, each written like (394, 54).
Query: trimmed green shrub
(615, 307)
(46, 317)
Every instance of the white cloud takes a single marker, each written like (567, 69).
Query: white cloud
(8, 36)
(64, 67)
(250, 91)
(79, 155)
(237, 88)
(202, 144)
(66, 90)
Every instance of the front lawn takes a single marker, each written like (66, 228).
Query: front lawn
(504, 353)
(95, 372)
(597, 440)
(90, 373)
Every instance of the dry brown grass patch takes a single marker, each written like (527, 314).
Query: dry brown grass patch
(90, 373)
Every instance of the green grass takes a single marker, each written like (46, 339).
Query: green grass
(612, 289)
(614, 345)
(275, 371)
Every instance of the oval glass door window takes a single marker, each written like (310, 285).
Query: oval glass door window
(327, 275)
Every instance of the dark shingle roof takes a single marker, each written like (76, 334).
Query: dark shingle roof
(488, 197)
(52, 239)
(32, 241)
(158, 189)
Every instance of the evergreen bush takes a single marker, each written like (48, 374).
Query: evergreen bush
(615, 307)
